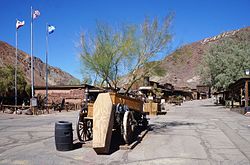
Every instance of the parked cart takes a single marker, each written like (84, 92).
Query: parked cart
(109, 112)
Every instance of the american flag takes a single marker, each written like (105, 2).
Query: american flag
(36, 14)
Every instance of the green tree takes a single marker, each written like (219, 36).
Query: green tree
(7, 82)
(104, 54)
(224, 63)
(74, 82)
(112, 53)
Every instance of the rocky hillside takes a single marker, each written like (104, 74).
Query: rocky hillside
(182, 65)
(56, 75)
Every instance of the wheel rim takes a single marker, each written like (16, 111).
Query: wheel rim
(128, 127)
(80, 131)
(84, 129)
(89, 129)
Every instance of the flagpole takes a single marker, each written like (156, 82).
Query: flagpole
(31, 53)
(47, 45)
(16, 72)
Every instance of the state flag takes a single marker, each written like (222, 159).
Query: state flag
(19, 24)
(51, 29)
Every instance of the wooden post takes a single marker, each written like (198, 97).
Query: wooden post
(241, 94)
(232, 98)
(246, 95)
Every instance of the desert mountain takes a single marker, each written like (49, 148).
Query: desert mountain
(56, 75)
(182, 65)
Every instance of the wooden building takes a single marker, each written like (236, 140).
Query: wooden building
(155, 91)
(221, 97)
(194, 93)
(70, 94)
(155, 96)
(203, 91)
(184, 92)
(239, 93)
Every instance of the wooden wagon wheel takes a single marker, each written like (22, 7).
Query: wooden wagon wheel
(128, 126)
(84, 128)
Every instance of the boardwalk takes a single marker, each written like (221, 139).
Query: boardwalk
(197, 132)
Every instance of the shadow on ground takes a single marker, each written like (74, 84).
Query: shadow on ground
(211, 105)
(116, 140)
(77, 145)
(163, 127)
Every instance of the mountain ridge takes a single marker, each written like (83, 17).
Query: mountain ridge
(182, 65)
(56, 75)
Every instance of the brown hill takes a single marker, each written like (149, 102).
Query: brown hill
(56, 75)
(182, 65)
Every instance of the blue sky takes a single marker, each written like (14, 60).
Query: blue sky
(194, 20)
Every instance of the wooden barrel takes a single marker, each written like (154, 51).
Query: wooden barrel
(63, 136)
